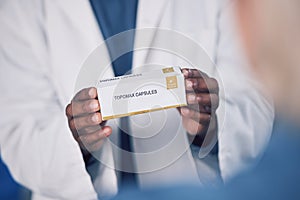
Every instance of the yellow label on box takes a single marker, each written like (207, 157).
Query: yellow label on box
(171, 82)
(168, 70)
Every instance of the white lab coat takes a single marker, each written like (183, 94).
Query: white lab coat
(42, 47)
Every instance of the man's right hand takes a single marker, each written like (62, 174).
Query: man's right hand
(85, 121)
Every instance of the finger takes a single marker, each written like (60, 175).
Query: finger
(92, 129)
(211, 100)
(92, 147)
(192, 98)
(199, 108)
(202, 118)
(89, 139)
(203, 99)
(96, 146)
(78, 108)
(193, 73)
(94, 141)
(193, 127)
(85, 94)
(79, 123)
(89, 129)
(202, 84)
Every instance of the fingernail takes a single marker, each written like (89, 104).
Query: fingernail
(191, 98)
(93, 105)
(189, 84)
(95, 118)
(92, 92)
(185, 73)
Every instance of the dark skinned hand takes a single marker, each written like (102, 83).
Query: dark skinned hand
(199, 116)
(85, 121)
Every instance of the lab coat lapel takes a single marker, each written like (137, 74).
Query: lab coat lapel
(149, 17)
(73, 34)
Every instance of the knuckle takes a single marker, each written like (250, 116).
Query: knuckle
(68, 110)
(85, 92)
(77, 95)
(202, 84)
(82, 91)
(196, 82)
(77, 124)
(215, 100)
(213, 97)
(75, 136)
(72, 124)
(214, 81)
(206, 99)
(215, 84)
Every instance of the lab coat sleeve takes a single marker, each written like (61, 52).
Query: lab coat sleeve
(35, 141)
(245, 115)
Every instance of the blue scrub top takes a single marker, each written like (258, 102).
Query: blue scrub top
(114, 17)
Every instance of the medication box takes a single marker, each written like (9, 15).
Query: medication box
(141, 93)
